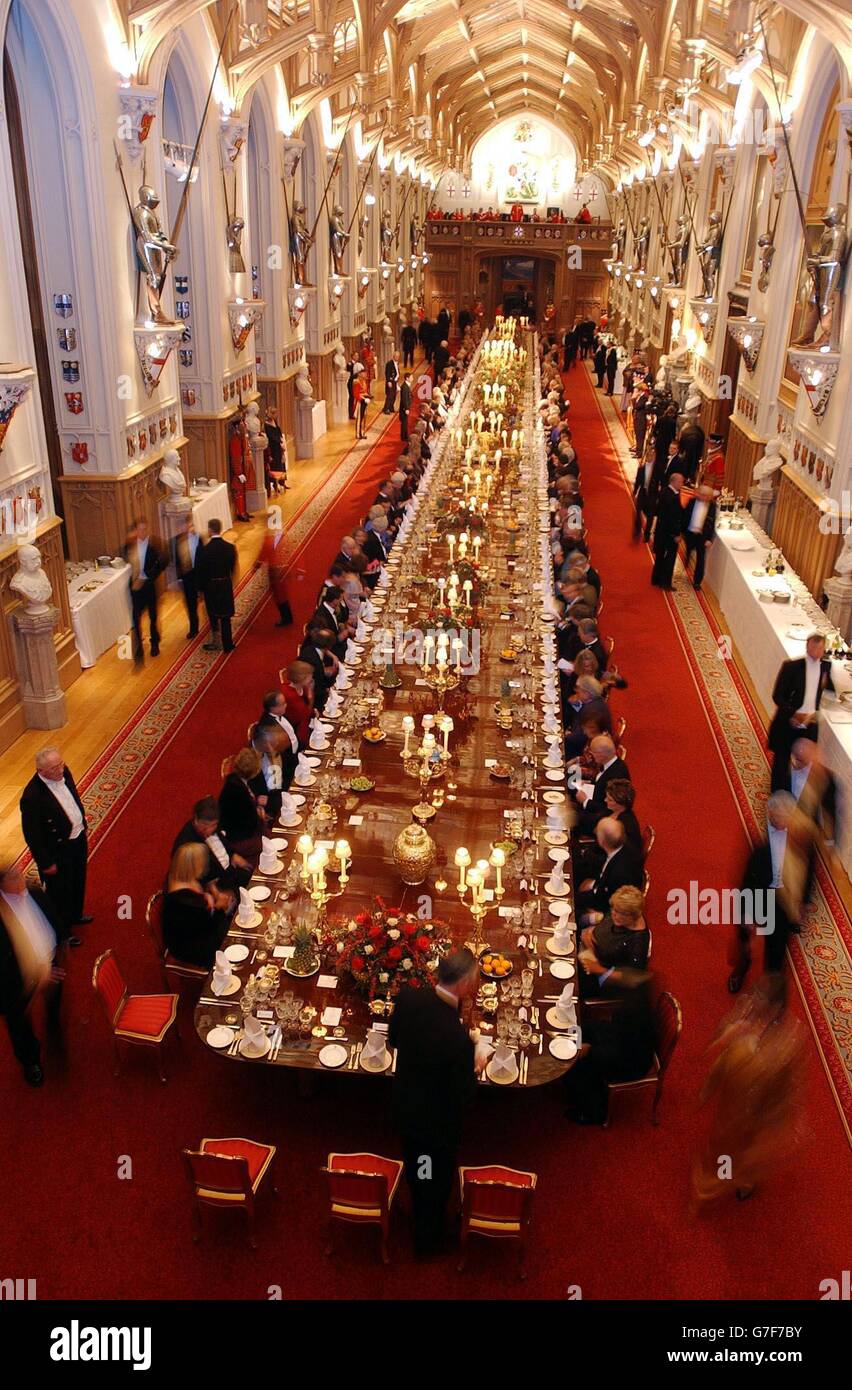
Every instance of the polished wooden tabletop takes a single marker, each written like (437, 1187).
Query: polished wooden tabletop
(475, 807)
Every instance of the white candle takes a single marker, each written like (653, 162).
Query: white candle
(477, 542)
(451, 542)
(408, 730)
(457, 648)
(462, 862)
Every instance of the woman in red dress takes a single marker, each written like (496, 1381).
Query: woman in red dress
(299, 693)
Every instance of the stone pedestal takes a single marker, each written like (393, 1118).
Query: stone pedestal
(310, 425)
(173, 513)
(41, 693)
(256, 496)
(340, 398)
(386, 346)
(838, 591)
(762, 497)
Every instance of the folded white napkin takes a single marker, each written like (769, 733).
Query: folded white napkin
(384, 578)
(375, 1048)
(303, 772)
(247, 907)
(557, 878)
(556, 817)
(554, 754)
(332, 704)
(222, 973)
(561, 934)
(289, 809)
(566, 1006)
(368, 612)
(503, 1062)
(268, 856)
(361, 631)
(318, 738)
(253, 1030)
(342, 681)
(550, 724)
(351, 655)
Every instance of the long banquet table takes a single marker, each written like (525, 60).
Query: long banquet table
(474, 807)
(100, 610)
(762, 634)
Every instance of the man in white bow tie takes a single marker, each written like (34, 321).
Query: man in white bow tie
(274, 717)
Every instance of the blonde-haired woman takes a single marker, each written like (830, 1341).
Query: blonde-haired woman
(619, 941)
(195, 921)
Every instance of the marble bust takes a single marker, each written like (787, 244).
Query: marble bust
(304, 386)
(843, 563)
(31, 582)
(772, 460)
(171, 475)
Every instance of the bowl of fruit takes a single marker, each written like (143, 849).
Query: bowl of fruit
(495, 966)
(361, 784)
(508, 654)
(374, 734)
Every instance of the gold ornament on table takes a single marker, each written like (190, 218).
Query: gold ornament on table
(315, 861)
(414, 853)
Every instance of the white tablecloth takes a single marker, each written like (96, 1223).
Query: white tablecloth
(213, 503)
(760, 633)
(101, 616)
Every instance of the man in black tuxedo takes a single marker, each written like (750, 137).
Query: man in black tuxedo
(391, 383)
(332, 613)
(186, 548)
(777, 886)
(408, 338)
(144, 553)
(667, 533)
(32, 945)
(229, 870)
(405, 402)
(699, 530)
(663, 433)
(814, 789)
(317, 651)
(435, 1081)
(54, 826)
(609, 766)
(646, 495)
(441, 358)
(274, 716)
(215, 567)
(621, 868)
(691, 445)
(799, 688)
(600, 362)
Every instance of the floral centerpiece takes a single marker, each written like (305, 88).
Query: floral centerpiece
(385, 948)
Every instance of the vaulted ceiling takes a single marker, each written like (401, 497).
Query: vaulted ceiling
(438, 73)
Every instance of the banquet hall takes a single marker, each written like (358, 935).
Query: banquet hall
(426, 675)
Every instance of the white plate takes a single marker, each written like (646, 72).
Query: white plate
(310, 782)
(290, 824)
(552, 1019)
(562, 970)
(553, 798)
(312, 761)
(362, 1061)
(799, 632)
(555, 774)
(236, 953)
(232, 988)
(559, 909)
(556, 892)
(318, 748)
(246, 1051)
(254, 921)
(333, 1055)
(277, 866)
(742, 543)
(555, 837)
(263, 891)
(501, 1080)
(559, 855)
(552, 950)
(563, 1048)
(220, 1037)
(298, 798)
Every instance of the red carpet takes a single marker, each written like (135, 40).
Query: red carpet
(611, 1212)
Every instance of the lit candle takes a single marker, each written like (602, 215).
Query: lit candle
(442, 584)
(466, 481)
(462, 862)
(467, 586)
(451, 542)
(457, 648)
(504, 436)
(428, 644)
(344, 854)
(446, 729)
(305, 847)
(498, 859)
(477, 542)
(474, 879)
(408, 730)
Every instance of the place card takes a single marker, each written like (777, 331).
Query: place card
(327, 982)
(351, 762)
(490, 762)
(355, 820)
(505, 617)
(514, 685)
(283, 952)
(504, 911)
(379, 1027)
(488, 895)
(421, 681)
(325, 844)
(264, 1013)
(331, 1017)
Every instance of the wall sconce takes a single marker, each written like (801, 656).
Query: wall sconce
(243, 314)
(400, 269)
(706, 312)
(385, 272)
(425, 258)
(818, 370)
(748, 335)
(298, 302)
(16, 382)
(293, 151)
(154, 347)
(336, 290)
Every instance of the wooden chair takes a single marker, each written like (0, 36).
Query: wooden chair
(496, 1202)
(142, 1019)
(170, 966)
(620, 728)
(668, 1026)
(649, 835)
(646, 883)
(361, 1189)
(621, 752)
(227, 1173)
(610, 643)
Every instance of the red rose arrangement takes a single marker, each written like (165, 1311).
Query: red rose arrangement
(384, 949)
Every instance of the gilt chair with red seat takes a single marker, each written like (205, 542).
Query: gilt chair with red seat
(668, 1026)
(140, 1019)
(169, 964)
(361, 1189)
(496, 1202)
(227, 1173)
(649, 835)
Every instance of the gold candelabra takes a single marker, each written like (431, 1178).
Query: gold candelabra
(472, 878)
(315, 861)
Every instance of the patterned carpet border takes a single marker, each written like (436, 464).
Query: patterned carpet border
(132, 752)
(821, 956)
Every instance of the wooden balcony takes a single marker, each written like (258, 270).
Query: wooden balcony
(541, 235)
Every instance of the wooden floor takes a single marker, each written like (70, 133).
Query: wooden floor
(106, 695)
